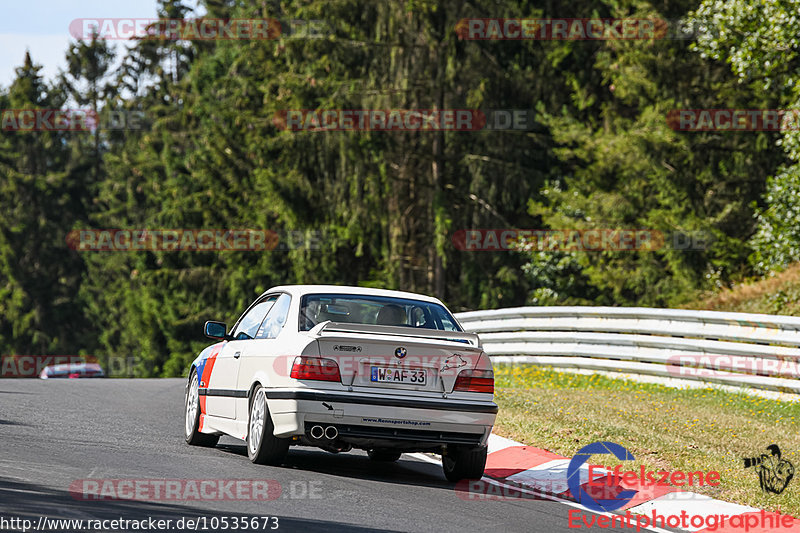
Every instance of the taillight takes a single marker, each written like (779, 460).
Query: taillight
(475, 381)
(316, 369)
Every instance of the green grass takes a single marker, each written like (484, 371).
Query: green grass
(778, 294)
(664, 428)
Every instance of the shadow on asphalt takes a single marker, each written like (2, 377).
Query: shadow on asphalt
(29, 501)
(356, 466)
(11, 423)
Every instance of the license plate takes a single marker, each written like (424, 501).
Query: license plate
(410, 376)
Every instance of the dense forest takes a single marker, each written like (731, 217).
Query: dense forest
(383, 207)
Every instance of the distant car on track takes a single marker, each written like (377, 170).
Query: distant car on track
(73, 370)
(340, 368)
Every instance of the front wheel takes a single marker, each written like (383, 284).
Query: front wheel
(192, 417)
(263, 447)
(464, 463)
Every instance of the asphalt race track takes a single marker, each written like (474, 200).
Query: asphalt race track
(54, 432)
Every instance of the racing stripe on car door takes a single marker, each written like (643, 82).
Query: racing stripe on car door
(205, 373)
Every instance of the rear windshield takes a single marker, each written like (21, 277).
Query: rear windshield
(380, 310)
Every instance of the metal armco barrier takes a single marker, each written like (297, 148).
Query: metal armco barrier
(741, 349)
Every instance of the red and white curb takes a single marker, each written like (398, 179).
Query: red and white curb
(545, 472)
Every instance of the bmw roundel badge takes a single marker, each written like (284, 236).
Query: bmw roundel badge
(400, 352)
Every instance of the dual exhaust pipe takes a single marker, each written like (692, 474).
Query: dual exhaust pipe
(318, 432)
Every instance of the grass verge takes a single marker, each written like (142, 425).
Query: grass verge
(664, 428)
(778, 294)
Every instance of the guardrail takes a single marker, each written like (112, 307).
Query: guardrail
(741, 349)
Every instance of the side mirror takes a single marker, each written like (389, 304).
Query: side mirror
(216, 330)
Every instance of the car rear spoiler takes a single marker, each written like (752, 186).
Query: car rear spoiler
(400, 331)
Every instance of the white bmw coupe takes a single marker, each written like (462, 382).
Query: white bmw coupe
(345, 367)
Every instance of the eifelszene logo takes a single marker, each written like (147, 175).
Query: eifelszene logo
(605, 479)
(574, 476)
(774, 473)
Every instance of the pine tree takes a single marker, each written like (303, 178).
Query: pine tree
(39, 203)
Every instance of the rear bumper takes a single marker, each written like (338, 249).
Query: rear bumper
(350, 398)
(366, 435)
(363, 419)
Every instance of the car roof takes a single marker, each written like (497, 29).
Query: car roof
(300, 290)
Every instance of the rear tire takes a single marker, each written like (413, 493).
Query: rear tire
(192, 417)
(263, 447)
(464, 463)
(384, 456)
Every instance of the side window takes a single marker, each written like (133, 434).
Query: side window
(248, 325)
(447, 324)
(276, 318)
